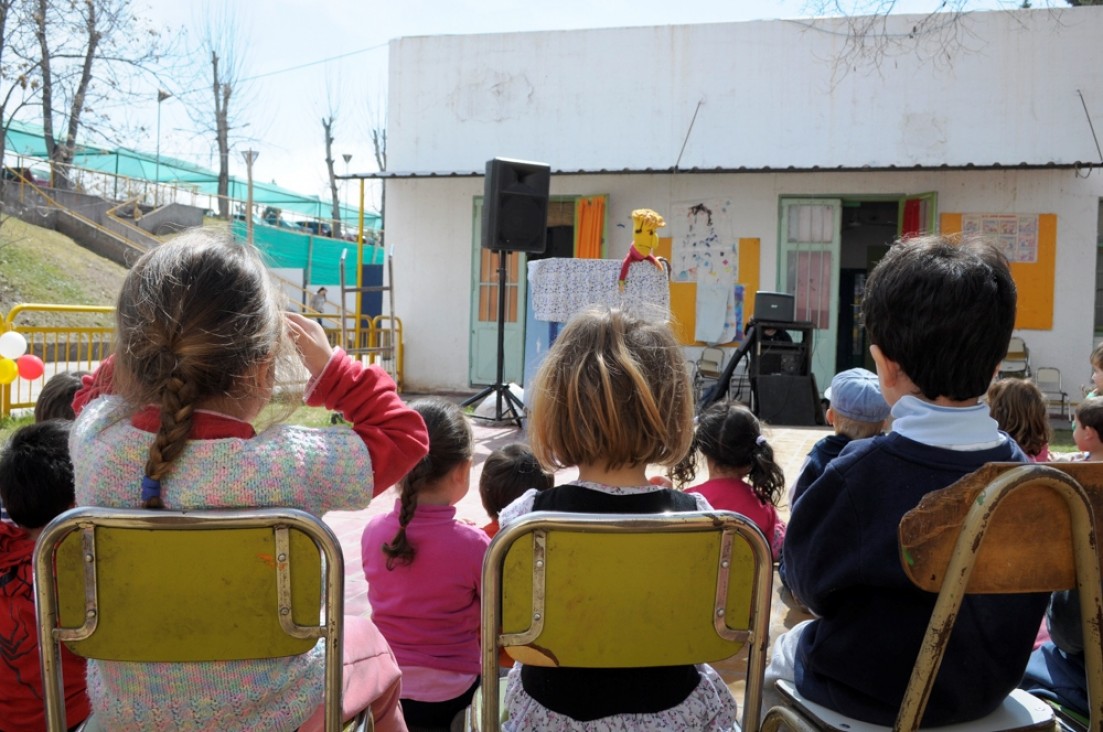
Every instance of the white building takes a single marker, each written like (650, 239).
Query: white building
(805, 157)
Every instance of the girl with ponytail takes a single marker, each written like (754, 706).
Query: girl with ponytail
(424, 572)
(167, 423)
(743, 476)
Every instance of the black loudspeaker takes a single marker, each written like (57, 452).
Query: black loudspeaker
(515, 206)
(788, 400)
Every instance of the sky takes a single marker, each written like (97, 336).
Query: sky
(300, 58)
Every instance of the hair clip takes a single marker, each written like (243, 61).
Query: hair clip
(151, 488)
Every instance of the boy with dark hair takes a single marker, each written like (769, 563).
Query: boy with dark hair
(507, 473)
(1088, 428)
(939, 317)
(36, 483)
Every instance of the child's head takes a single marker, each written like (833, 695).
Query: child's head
(507, 473)
(613, 392)
(856, 407)
(443, 476)
(1019, 407)
(1097, 368)
(730, 437)
(55, 401)
(1088, 429)
(36, 476)
(199, 325)
(943, 313)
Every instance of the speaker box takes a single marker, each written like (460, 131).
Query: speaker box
(788, 400)
(515, 205)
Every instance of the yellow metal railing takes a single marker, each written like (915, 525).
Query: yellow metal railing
(61, 348)
(81, 348)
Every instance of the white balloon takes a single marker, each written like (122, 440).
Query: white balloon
(12, 345)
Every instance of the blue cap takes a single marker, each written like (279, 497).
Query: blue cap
(856, 394)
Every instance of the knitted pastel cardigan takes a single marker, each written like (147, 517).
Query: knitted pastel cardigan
(314, 469)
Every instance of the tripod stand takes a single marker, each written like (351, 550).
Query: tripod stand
(504, 395)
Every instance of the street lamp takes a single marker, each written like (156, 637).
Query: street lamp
(250, 157)
(162, 95)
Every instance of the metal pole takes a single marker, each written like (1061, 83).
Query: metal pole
(162, 95)
(250, 157)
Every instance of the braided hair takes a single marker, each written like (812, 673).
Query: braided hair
(450, 444)
(731, 436)
(195, 316)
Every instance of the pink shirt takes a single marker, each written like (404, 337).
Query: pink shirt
(732, 494)
(428, 610)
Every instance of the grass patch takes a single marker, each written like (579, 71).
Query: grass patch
(42, 266)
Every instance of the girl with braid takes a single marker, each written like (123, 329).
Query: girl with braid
(424, 572)
(167, 422)
(743, 476)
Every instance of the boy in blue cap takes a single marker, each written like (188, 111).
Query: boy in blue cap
(857, 411)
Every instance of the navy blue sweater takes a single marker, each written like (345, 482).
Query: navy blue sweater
(842, 561)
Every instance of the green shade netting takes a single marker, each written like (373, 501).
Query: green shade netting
(318, 256)
(27, 140)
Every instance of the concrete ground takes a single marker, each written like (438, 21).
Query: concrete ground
(790, 445)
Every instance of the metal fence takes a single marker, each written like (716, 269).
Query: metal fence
(81, 348)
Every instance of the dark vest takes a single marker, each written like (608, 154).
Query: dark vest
(588, 694)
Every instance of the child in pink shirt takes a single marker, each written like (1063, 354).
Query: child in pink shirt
(743, 476)
(424, 572)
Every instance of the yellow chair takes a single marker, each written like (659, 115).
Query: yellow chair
(168, 586)
(622, 591)
(1003, 529)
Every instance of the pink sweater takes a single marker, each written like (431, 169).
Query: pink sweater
(428, 610)
(732, 494)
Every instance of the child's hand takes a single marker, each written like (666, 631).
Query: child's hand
(310, 338)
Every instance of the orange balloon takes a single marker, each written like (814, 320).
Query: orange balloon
(8, 371)
(30, 367)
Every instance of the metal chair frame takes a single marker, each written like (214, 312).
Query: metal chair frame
(953, 579)
(735, 542)
(82, 568)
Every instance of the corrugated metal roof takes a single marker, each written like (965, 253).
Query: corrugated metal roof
(395, 174)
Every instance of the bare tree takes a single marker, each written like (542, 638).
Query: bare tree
(935, 36)
(213, 104)
(20, 71)
(89, 52)
(327, 127)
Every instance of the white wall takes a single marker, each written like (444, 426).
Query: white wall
(430, 225)
(770, 95)
(773, 94)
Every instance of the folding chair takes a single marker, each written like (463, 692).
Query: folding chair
(1002, 529)
(1048, 380)
(707, 369)
(625, 591)
(1017, 361)
(169, 586)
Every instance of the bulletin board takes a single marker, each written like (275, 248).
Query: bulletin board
(1030, 243)
(683, 295)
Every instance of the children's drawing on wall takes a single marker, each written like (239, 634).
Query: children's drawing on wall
(705, 250)
(1015, 234)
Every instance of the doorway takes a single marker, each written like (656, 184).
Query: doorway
(827, 247)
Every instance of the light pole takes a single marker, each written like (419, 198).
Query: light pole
(250, 157)
(162, 95)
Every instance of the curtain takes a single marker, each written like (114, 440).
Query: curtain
(591, 225)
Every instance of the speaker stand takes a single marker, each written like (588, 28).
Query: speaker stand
(505, 397)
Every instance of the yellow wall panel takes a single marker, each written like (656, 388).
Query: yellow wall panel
(1035, 281)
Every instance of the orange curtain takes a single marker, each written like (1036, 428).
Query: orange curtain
(591, 223)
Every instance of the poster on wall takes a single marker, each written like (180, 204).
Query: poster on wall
(1015, 234)
(705, 251)
(704, 245)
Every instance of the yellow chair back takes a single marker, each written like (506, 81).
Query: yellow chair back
(622, 591)
(167, 586)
